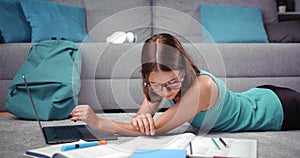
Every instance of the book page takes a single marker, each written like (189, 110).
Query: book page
(204, 147)
(48, 151)
(178, 141)
(124, 150)
(102, 151)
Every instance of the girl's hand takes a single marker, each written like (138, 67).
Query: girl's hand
(85, 113)
(144, 123)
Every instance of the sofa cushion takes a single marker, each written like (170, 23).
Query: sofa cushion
(231, 24)
(179, 18)
(13, 25)
(104, 17)
(284, 32)
(49, 19)
(183, 18)
(127, 16)
(268, 7)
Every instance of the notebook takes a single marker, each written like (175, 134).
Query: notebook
(141, 146)
(183, 145)
(71, 133)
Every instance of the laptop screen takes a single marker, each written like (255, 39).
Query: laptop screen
(33, 105)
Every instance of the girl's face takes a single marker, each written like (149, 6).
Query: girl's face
(166, 83)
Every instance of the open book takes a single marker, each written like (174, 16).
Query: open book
(201, 147)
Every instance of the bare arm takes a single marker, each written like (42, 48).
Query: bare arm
(143, 120)
(141, 124)
(201, 96)
(85, 113)
(148, 107)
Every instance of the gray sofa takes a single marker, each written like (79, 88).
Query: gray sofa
(109, 82)
(105, 65)
(111, 78)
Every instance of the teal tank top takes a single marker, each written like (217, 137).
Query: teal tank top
(255, 109)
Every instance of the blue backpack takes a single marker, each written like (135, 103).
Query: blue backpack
(52, 69)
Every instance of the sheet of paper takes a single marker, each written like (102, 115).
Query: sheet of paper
(204, 147)
(179, 141)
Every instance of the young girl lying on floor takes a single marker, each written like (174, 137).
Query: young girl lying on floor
(196, 96)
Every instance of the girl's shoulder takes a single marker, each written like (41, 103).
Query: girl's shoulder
(205, 81)
(207, 89)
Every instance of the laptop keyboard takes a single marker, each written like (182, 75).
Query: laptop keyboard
(68, 132)
(63, 132)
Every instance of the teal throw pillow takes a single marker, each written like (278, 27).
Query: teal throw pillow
(13, 24)
(232, 24)
(54, 20)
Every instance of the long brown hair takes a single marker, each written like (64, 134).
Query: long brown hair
(163, 52)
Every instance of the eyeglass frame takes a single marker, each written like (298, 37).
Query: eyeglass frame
(166, 85)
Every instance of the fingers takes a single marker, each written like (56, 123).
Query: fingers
(144, 123)
(151, 123)
(135, 123)
(75, 119)
(79, 113)
(138, 123)
(75, 115)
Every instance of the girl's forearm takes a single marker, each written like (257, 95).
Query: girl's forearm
(117, 127)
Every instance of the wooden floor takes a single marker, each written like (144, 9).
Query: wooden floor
(5, 114)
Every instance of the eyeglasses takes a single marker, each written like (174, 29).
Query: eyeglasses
(157, 87)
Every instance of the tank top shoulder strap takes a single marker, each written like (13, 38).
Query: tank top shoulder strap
(202, 72)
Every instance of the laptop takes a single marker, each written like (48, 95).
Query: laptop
(66, 134)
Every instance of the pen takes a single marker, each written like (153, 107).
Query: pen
(216, 144)
(223, 142)
(191, 148)
(82, 145)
